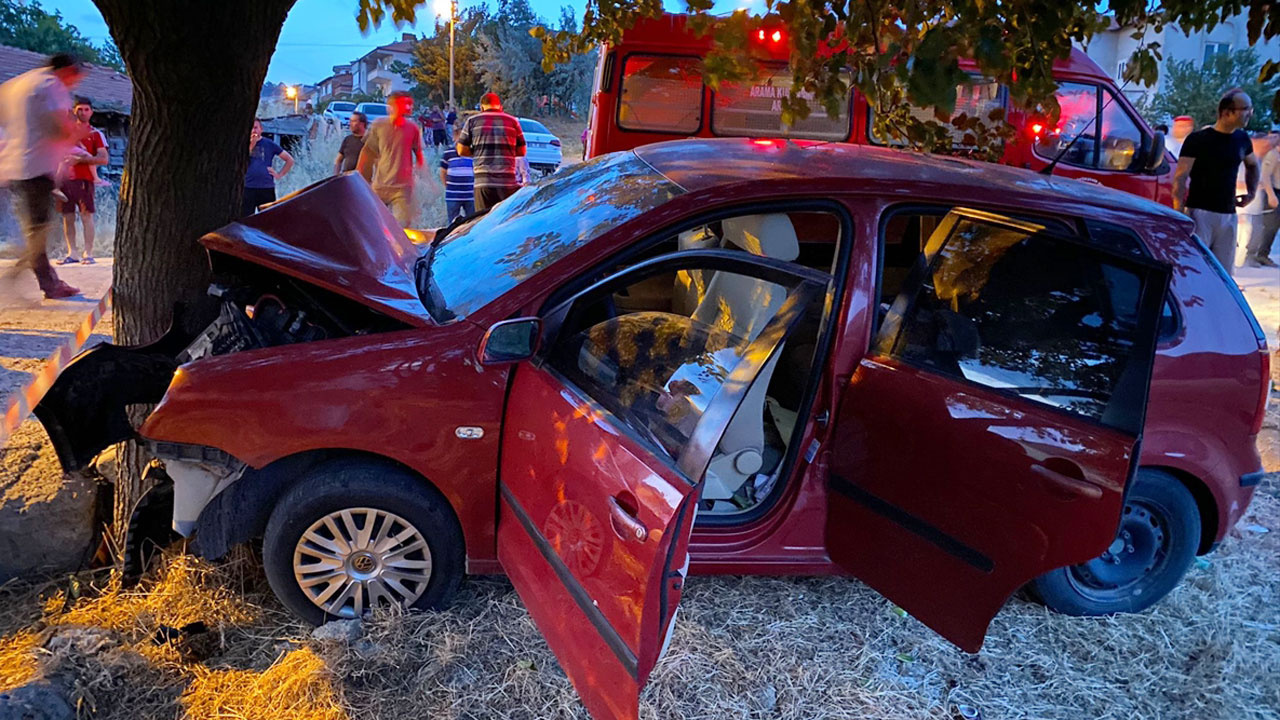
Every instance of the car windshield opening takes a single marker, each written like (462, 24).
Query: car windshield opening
(531, 230)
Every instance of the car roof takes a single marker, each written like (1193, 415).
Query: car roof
(701, 164)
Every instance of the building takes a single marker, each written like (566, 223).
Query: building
(110, 91)
(336, 86)
(372, 72)
(1113, 47)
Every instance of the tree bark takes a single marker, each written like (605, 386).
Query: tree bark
(197, 68)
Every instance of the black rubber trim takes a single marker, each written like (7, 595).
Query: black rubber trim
(1252, 479)
(575, 589)
(948, 544)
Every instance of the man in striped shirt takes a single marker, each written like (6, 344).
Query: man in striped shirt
(494, 140)
(457, 175)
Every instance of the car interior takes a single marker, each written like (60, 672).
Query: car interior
(655, 353)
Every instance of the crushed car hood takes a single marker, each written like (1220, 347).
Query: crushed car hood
(337, 235)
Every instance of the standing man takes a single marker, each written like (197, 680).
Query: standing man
(392, 150)
(260, 179)
(349, 150)
(436, 118)
(1209, 160)
(78, 186)
(1263, 213)
(495, 141)
(458, 177)
(36, 122)
(1182, 127)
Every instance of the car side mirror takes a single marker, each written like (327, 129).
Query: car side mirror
(1153, 158)
(510, 341)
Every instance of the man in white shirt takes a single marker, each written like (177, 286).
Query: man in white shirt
(1182, 127)
(36, 120)
(1262, 215)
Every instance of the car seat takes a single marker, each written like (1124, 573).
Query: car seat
(743, 306)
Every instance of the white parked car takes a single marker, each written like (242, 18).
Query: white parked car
(339, 111)
(543, 148)
(373, 110)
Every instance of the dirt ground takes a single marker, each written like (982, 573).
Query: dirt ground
(792, 648)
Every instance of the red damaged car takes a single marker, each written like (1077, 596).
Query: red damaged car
(946, 378)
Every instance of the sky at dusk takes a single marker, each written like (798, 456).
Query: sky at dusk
(319, 34)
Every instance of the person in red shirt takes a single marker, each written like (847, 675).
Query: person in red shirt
(78, 183)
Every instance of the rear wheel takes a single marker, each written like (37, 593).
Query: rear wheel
(1155, 544)
(353, 535)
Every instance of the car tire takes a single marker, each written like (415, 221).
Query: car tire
(1155, 544)
(382, 514)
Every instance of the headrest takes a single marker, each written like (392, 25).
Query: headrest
(770, 236)
(697, 238)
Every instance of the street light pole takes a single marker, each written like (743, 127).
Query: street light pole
(451, 7)
(453, 15)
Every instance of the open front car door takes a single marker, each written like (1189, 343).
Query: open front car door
(989, 434)
(608, 434)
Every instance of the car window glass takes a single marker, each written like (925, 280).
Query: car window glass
(657, 365)
(534, 228)
(754, 108)
(976, 98)
(533, 126)
(1121, 137)
(1049, 320)
(1075, 135)
(661, 93)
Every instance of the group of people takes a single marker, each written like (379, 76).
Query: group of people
(479, 168)
(1223, 171)
(49, 154)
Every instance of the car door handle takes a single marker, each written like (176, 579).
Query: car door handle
(1091, 181)
(625, 525)
(1072, 486)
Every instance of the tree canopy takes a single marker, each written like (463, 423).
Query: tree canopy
(1192, 88)
(906, 53)
(496, 51)
(30, 27)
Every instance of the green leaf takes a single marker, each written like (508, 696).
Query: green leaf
(526, 665)
(906, 657)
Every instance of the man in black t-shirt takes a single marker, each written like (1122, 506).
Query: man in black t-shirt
(349, 151)
(1210, 160)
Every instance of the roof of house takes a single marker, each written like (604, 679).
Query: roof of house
(106, 87)
(405, 44)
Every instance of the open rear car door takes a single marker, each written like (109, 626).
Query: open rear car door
(607, 435)
(989, 434)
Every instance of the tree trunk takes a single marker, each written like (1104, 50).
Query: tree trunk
(197, 68)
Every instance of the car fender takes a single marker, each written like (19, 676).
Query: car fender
(400, 395)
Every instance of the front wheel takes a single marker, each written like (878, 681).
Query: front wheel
(353, 534)
(1156, 543)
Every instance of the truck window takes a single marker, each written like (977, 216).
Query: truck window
(1121, 137)
(1076, 133)
(977, 97)
(755, 108)
(661, 93)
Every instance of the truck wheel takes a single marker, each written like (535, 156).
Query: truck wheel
(1156, 543)
(354, 534)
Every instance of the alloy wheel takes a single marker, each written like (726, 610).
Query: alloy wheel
(350, 560)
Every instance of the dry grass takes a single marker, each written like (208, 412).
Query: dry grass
(744, 648)
(297, 687)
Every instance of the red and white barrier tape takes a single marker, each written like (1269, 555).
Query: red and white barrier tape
(20, 404)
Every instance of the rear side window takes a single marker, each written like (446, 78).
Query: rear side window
(1052, 321)
(661, 93)
(755, 108)
(976, 98)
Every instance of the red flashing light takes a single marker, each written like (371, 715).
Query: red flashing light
(776, 36)
(1037, 128)
(760, 35)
